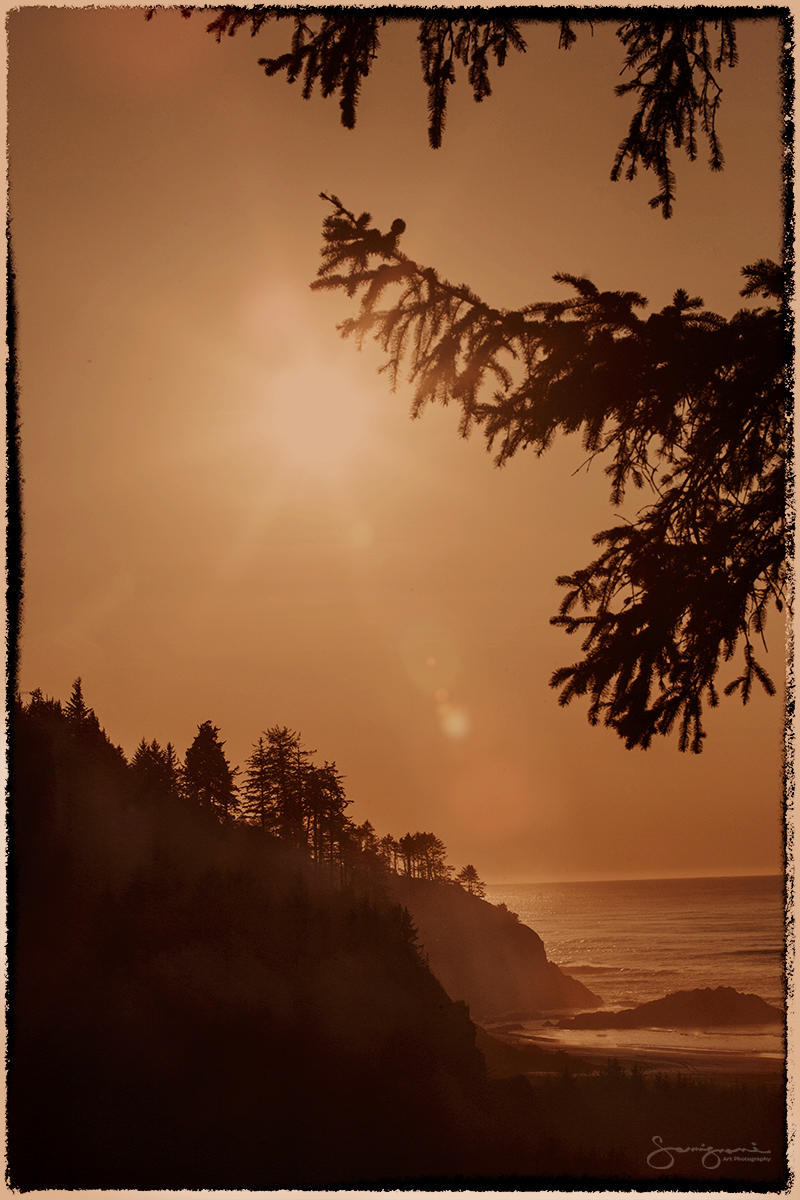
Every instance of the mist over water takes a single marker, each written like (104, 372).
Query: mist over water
(636, 940)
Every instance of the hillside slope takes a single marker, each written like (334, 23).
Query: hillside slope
(192, 1005)
(482, 954)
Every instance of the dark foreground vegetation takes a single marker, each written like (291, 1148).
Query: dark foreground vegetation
(197, 1003)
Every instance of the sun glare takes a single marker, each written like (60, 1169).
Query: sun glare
(317, 420)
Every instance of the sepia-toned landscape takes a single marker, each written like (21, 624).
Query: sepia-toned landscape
(398, 595)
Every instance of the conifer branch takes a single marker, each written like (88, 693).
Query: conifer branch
(681, 402)
(675, 81)
(674, 70)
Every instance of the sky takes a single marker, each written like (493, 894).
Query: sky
(228, 514)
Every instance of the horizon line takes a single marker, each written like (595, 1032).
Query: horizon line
(639, 878)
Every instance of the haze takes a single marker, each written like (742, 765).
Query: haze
(227, 513)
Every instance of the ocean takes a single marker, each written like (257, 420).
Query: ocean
(636, 940)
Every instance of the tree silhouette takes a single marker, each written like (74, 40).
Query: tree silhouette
(324, 802)
(682, 402)
(207, 776)
(285, 794)
(195, 994)
(408, 854)
(283, 764)
(156, 771)
(364, 835)
(77, 710)
(389, 850)
(84, 725)
(42, 707)
(671, 62)
(256, 803)
(471, 881)
(423, 856)
(171, 773)
(674, 74)
(432, 852)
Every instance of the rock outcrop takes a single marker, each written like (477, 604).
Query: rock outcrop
(700, 1007)
(482, 954)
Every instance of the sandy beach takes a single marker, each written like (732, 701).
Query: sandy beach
(531, 1054)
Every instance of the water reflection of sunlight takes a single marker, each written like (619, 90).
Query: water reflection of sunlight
(752, 1041)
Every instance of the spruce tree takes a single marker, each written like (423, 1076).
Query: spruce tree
(141, 758)
(172, 770)
(288, 762)
(77, 710)
(257, 806)
(156, 771)
(207, 775)
(682, 403)
(84, 724)
(39, 705)
(278, 782)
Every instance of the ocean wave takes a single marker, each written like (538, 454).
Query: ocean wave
(760, 952)
(590, 968)
(705, 957)
(598, 969)
(751, 1032)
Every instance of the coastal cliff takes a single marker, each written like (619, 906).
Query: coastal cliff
(482, 954)
(210, 1009)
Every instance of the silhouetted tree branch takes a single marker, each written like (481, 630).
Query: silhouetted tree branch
(446, 39)
(672, 61)
(675, 79)
(683, 402)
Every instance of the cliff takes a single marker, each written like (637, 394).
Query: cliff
(482, 954)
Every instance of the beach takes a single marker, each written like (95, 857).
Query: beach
(637, 1113)
(541, 1055)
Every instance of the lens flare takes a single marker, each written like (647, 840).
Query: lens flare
(454, 720)
(431, 658)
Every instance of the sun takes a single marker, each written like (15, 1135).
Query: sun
(316, 420)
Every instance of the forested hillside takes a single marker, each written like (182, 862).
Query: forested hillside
(194, 1003)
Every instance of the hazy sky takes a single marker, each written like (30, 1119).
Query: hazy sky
(228, 514)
